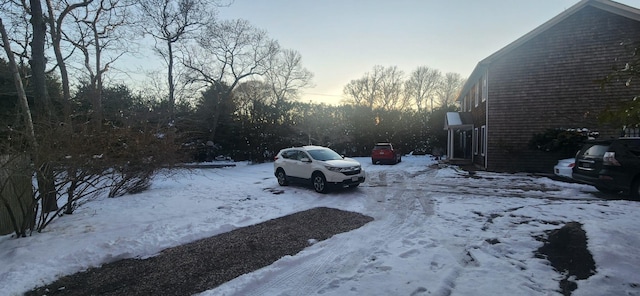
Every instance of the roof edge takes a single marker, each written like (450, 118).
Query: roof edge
(606, 5)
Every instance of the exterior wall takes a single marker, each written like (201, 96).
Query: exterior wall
(549, 82)
(474, 102)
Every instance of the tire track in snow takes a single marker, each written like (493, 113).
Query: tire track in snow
(326, 265)
(399, 202)
(497, 191)
(396, 210)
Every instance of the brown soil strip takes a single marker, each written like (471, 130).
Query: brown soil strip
(205, 264)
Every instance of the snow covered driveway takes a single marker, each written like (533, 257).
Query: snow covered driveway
(437, 231)
(440, 231)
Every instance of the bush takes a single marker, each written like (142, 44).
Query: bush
(565, 141)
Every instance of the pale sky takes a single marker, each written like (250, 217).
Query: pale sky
(341, 40)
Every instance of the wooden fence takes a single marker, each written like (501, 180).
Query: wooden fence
(16, 194)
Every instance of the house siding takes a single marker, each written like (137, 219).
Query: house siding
(550, 82)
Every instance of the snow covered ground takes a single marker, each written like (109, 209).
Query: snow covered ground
(437, 231)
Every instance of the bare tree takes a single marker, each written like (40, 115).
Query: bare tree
(42, 104)
(248, 95)
(366, 90)
(27, 210)
(17, 79)
(55, 23)
(78, 176)
(169, 22)
(286, 75)
(18, 29)
(450, 88)
(422, 86)
(355, 92)
(45, 142)
(38, 61)
(101, 30)
(380, 88)
(226, 54)
(391, 89)
(373, 86)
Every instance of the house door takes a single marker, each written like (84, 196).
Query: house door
(463, 144)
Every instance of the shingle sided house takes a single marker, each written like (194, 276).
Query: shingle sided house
(547, 79)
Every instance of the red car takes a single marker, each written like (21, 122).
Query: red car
(384, 153)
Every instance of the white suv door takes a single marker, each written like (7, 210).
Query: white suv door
(299, 168)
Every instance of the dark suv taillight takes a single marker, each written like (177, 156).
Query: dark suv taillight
(609, 158)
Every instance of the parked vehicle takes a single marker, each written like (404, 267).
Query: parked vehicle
(385, 153)
(564, 168)
(319, 166)
(610, 165)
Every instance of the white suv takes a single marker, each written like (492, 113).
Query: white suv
(320, 166)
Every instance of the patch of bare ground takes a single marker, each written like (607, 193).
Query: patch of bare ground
(566, 249)
(205, 264)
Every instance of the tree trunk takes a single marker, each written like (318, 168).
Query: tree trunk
(42, 104)
(22, 97)
(97, 83)
(73, 174)
(38, 63)
(28, 210)
(172, 99)
(222, 97)
(56, 37)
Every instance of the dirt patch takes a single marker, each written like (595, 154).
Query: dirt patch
(566, 249)
(205, 264)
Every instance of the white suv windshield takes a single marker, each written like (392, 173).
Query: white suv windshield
(324, 154)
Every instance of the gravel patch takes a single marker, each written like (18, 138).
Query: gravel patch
(205, 264)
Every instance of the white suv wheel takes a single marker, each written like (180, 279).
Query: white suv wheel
(282, 177)
(319, 183)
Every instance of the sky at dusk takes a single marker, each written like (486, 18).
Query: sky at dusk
(341, 40)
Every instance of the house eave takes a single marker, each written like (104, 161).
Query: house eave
(458, 121)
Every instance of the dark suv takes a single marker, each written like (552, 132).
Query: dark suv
(610, 165)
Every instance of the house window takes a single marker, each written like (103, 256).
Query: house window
(476, 95)
(467, 104)
(485, 90)
(472, 96)
(483, 139)
(476, 140)
(464, 104)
